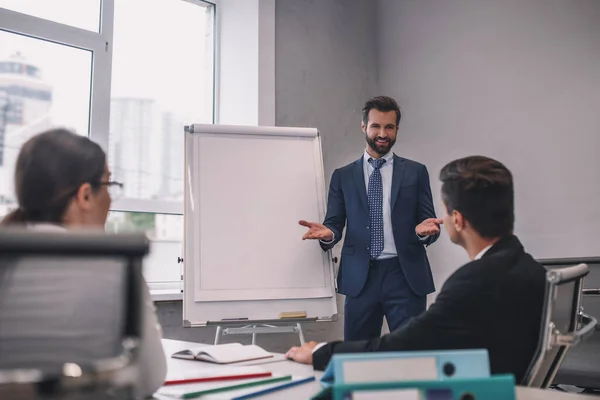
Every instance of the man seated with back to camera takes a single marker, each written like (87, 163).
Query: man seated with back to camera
(493, 302)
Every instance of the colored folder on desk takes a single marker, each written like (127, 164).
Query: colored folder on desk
(275, 388)
(194, 391)
(406, 366)
(498, 387)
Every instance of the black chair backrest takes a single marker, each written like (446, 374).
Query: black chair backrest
(68, 299)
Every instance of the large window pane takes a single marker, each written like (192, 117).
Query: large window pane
(161, 80)
(83, 14)
(166, 236)
(42, 85)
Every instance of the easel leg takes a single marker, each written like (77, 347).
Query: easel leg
(218, 334)
(259, 328)
(300, 333)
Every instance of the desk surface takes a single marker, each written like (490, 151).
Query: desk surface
(305, 391)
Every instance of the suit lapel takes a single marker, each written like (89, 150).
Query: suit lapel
(399, 168)
(359, 181)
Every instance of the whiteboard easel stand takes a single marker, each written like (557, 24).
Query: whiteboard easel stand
(199, 309)
(255, 329)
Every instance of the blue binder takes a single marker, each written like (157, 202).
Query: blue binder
(407, 365)
(497, 387)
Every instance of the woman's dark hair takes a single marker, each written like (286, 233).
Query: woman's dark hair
(50, 169)
(481, 189)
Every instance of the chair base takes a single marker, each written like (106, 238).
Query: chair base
(576, 389)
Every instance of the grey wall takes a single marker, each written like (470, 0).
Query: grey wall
(325, 69)
(515, 80)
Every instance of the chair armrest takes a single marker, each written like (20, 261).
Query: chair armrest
(588, 328)
(585, 331)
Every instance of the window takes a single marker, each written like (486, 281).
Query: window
(46, 80)
(161, 81)
(161, 268)
(38, 90)
(129, 83)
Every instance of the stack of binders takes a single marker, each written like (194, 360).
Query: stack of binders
(415, 375)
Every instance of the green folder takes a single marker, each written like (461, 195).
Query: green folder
(193, 395)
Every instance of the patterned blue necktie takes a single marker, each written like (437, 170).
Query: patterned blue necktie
(375, 199)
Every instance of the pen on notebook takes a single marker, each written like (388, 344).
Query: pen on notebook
(235, 387)
(275, 388)
(217, 378)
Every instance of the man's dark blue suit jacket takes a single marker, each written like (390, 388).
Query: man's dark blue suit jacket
(411, 203)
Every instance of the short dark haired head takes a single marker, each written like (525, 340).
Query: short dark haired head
(481, 189)
(49, 170)
(383, 104)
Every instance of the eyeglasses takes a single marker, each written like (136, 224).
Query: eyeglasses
(115, 189)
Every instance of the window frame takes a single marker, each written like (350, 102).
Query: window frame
(100, 44)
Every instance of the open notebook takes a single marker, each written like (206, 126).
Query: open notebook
(224, 353)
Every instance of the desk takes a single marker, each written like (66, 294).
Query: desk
(305, 391)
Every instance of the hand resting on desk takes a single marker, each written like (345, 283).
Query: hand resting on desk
(302, 354)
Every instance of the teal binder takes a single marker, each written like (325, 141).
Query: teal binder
(408, 365)
(498, 387)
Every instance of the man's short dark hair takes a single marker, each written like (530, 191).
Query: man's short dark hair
(481, 189)
(383, 104)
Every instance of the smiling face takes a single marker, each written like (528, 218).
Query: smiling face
(380, 132)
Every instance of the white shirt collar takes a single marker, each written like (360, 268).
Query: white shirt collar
(482, 252)
(389, 157)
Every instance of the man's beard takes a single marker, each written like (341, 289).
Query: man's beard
(381, 148)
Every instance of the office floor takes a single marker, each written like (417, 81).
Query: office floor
(170, 317)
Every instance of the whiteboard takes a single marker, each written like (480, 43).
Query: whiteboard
(246, 188)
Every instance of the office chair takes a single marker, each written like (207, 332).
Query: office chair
(70, 317)
(563, 324)
(580, 367)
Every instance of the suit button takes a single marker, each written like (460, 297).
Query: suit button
(367, 226)
(367, 247)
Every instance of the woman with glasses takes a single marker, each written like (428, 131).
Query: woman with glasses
(62, 181)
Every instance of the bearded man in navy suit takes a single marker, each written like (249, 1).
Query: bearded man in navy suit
(385, 203)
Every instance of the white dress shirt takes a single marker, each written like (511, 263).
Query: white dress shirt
(482, 252)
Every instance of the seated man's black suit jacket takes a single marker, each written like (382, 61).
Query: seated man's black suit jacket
(494, 303)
